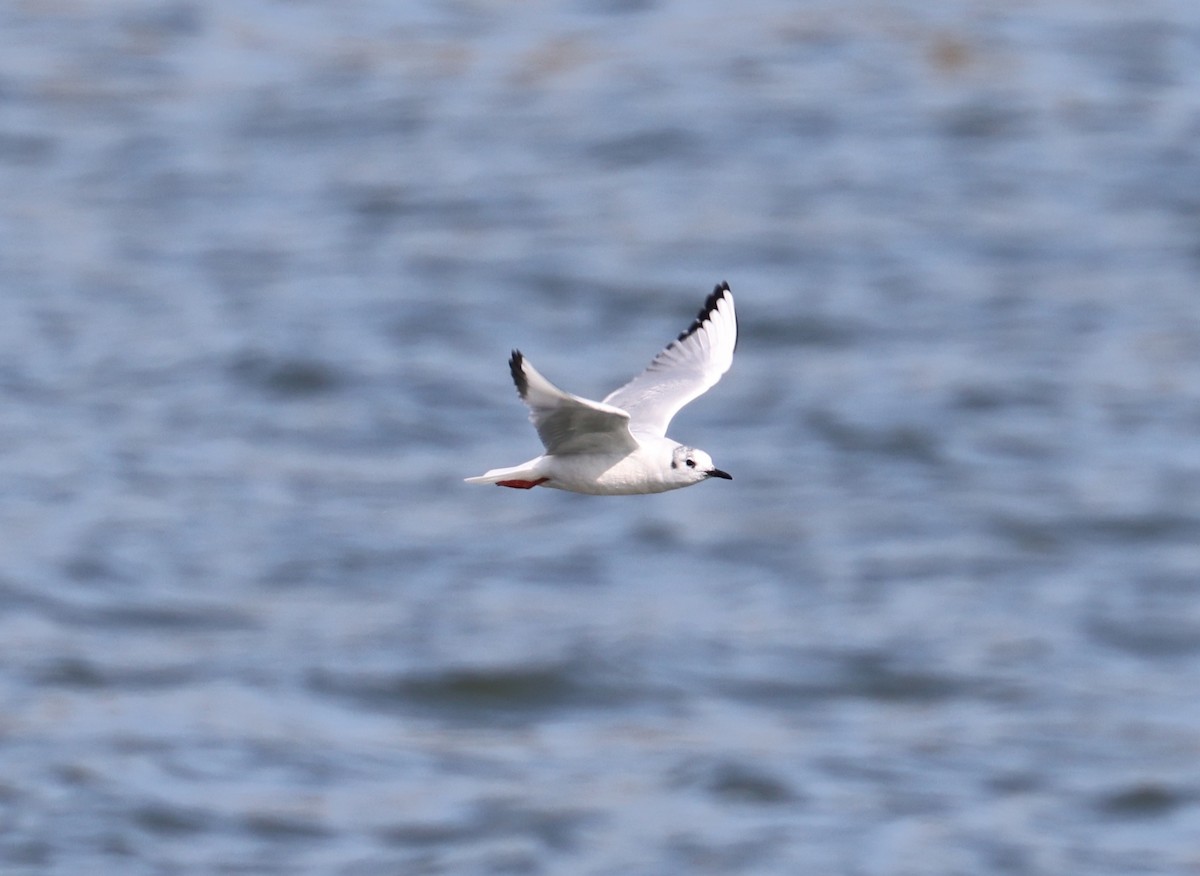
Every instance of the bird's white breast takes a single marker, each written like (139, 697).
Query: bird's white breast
(639, 472)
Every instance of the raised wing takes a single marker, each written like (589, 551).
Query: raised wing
(566, 423)
(684, 370)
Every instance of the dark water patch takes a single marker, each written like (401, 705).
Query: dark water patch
(1170, 584)
(734, 782)
(875, 677)
(556, 830)
(314, 561)
(447, 324)
(1028, 534)
(985, 121)
(286, 377)
(421, 863)
(799, 331)
(167, 820)
(867, 676)
(284, 827)
(11, 797)
(656, 533)
(280, 117)
(814, 125)
(175, 617)
(1016, 247)
(440, 394)
(459, 212)
(25, 149)
(1153, 636)
(379, 207)
(764, 251)
(1024, 449)
(1136, 54)
(695, 852)
(25, 852)
(163, 20)
(765, 552)
(906, 441)
(203, 760)
(646, 147)
(1034, 395)
(893, 567)
(73, 672)
(618, 304)
(617, 7)
(465, 694)
(1148, 527)
(87, 567)
(70, 672)
(1092, 118)
(1145, 800)
(739, 783)
(1014, 783)
(240, 271)
(1005, 856)
(568, 570)
(76, 775)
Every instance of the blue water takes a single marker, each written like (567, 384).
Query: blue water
(261, 265)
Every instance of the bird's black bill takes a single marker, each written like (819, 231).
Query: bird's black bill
(717, 473)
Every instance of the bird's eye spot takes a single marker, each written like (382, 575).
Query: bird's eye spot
(674, 464)
(691, 463)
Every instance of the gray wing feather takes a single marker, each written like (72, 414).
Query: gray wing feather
(684, 370)
(566, 423)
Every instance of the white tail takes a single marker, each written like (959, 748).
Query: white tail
(523, 472)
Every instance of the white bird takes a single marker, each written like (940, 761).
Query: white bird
(620, 445)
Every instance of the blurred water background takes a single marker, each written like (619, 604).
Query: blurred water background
(261, 265)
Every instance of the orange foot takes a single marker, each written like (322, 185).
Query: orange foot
(522, 485)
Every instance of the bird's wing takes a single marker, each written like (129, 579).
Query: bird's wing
(566, 423)
(684, 370)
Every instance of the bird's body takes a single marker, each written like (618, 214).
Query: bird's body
(600, 474)
(619, 446)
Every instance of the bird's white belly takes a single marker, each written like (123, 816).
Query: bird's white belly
(607, 476)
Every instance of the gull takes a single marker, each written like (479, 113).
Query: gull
(619, 446)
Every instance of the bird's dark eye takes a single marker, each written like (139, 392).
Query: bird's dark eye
(691, 463)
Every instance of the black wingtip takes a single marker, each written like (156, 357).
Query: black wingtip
(518, 373)
(710, 304)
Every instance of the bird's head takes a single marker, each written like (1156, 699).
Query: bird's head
(690, 466)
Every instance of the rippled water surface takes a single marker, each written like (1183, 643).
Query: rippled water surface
(261, 265)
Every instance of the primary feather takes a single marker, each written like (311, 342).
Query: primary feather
(684, 369)
(567, 423)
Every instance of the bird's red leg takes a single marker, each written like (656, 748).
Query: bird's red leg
(521, 485)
